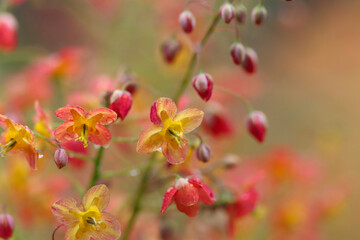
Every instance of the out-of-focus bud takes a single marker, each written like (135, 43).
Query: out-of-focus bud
(240, 13)
(154, 117)
(203, 152)
(258, 14)
(237, 52)
(6, 226)
(231, 160)
(8, 32)
(227, 12)
(120, 102)
(256, 124)
(61, 158)
(170, 49)
(250, 61)
(130, 81)
(187, 21)
(203, 84)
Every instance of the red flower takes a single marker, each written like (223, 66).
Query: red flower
(121, 102)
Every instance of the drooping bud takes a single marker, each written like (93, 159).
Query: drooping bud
(256, 124)
(250, 61)
(237, 52)
(170, 49)
(203, 153)
(258, 14)
(227, 12)
(203, 84)
(8, 32)
(130, 81)
(240, 13)
(154, 117)
(187, 21)
(61, 158)
(120, 102)
(6, 226)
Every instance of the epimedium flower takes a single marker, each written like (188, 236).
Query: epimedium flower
(42, 122)
(88, 220)
(84, 126)
(187, 193)
(18, 137)
(168, 131)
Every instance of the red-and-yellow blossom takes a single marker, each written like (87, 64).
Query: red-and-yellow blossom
(84, 126)
(168, 131)
(18, 137)
(88, 220)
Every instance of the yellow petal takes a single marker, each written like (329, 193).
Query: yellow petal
(150, 140)
(61, 210)
(98, 195)
(109, 228)
(190, 119)
(166, 108)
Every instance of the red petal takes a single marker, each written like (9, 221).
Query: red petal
(154, 117)
(64, 132)
(107, 115)
(168, 199)
(31, 155)
(102, 135)
(191, 211)
(205, 193)
(61, 208)
(98, 195)
(65, 114)
(110, 230)
(187, 195)
(175, 153)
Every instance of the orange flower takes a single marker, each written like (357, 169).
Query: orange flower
(168, 131)
(88, 221)
(84, 126)
(18, 138)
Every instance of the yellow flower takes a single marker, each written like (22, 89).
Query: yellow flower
(168, 131)
(88, 221)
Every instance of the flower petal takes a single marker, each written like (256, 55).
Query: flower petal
(187, 195)
(175, 153)
(64, 132)
(109, 229)
(65, 113)
(166, 107)
(101, 136)
(61, 208)
(98, 195)
(31, 155)
(74, 233)
(191, 211)
(168, 199)
(107, 115)
(205, 193)
(5, 121)
(190, 119)
(150, 140)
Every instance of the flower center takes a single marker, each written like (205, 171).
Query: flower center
(84, 134)
(173, 131)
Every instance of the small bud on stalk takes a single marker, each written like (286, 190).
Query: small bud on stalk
(61, 158)
(170, 49)
(250, 61)
(240, 13)
(256, 123)
(258, 15)
(203, 153)
(237, 52)
(203, 84)
(130, 81)
(8, 32)
(227, 12)
(187, 21)
(120, 102)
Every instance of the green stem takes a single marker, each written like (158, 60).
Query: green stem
(139, 196)
(192, 64)
(97, 163)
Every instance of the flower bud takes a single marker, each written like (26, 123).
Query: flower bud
(187, 21)
(237, 52)
(258, 15)
(170, 49)
(203, 152)
(120, 102)
(203, 84)
(227, 12)
(130, 81)
(6, 226)
(8, 32)
(250, 61)
(61, 158)
(240, 13)
(256, 123)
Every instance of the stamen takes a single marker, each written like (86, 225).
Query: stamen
(84, 135)
(7, 147)
(178, 139)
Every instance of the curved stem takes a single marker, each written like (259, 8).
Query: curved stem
(57, 228)
(242, 99)
(97, 163)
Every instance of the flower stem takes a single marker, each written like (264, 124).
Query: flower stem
(139, 196)
(97, 163)
(241, 98)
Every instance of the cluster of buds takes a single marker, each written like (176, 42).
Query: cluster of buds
(227, 12)
(6, 226)
(203, 84)
(258, 14)
(256, 123)
(121, 102)
(187, 21)
(170, 49)
(8, 32)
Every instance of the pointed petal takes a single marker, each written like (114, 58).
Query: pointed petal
(102, 135)
(150, 140)
(98, 195)
(65, 113)
(175, 153)
(190, 119)
(166, 107)
(74, 233)
(64, 132)
(168, 199)
(107, 115)
(31, 155)
(190, 211)
(61, 208)
(206, 194)
(109, 229)
(187, 195)
(5, 121)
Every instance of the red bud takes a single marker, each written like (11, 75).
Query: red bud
(258, 15)
(8, 32)
(250, 61)
(203, 84)
(256, 123)
(203, 152)
(237, 52)
(240, 13)
(170, 49)
(120, 103)
(187, 21)
(227, 12)
(126, 79)
(60, 158)
(6, 226)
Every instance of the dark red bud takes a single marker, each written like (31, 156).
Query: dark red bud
(203, 84)
(130, 80)
(154, 117)
(120, 103)
(240, 13)
(258, 15)
(256, 123)
(203, 152)
(170, 49)
(6, 226)
(237, 52)
(187, 21)
(227, 12)
(61, 158)
(250, 61)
